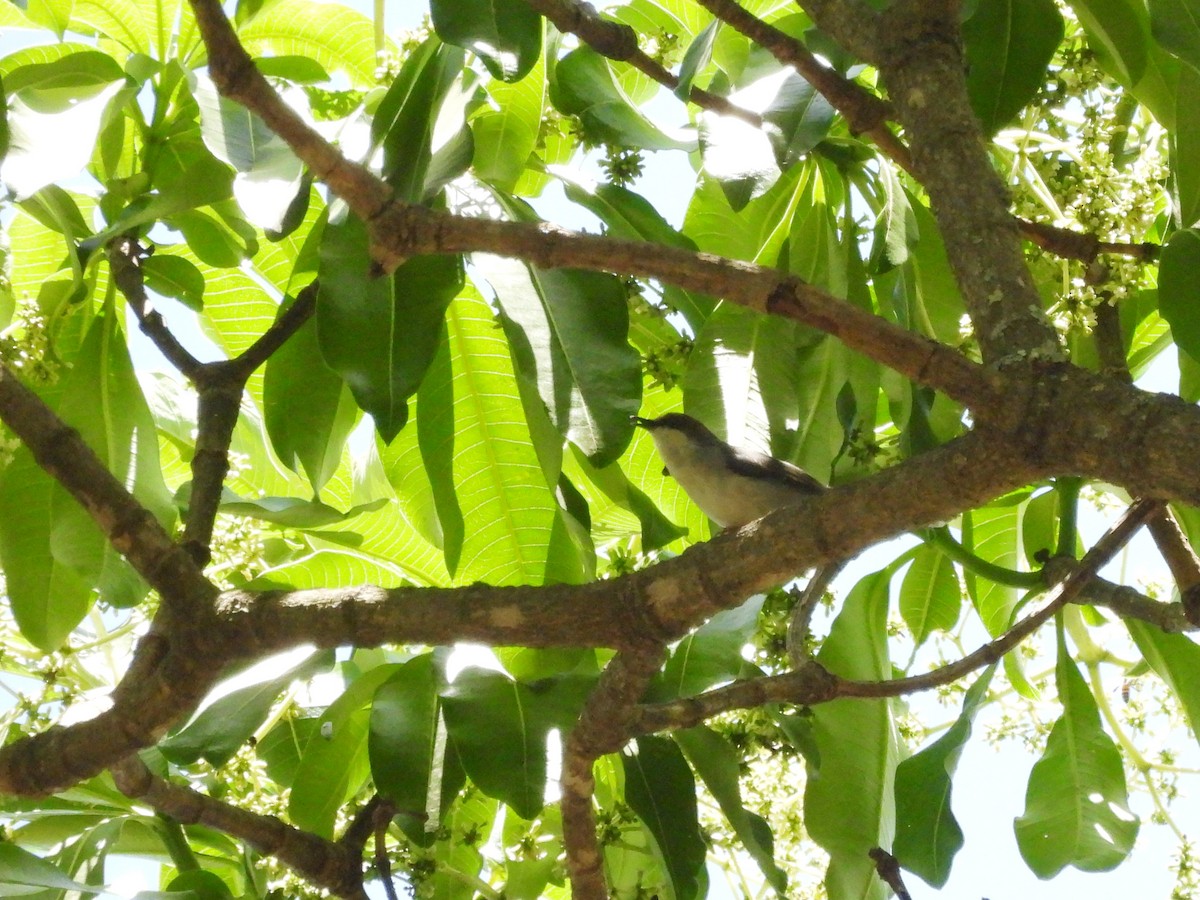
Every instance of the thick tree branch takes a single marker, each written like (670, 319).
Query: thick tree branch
(603, 727)
(331, 866)
(921, 60)
(402, 231)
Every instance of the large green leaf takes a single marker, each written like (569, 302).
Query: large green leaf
(22, 873)
(307, 408)
(336, 36)
(1185, 148)
(409, 751)
(1178, 287)
(850, 809)
(52, 131)
(991, 532)
(334, 763)
(927, 834)
(1113, 27)
(797, 120)
(269, 174)
(435, 440)
(506, 135)
(216, 733)
(583, 86)
(505, 34)
(498, 728)
(1175, 24)
(52, 550)
(405, 119)
(717, 763)
(712, 654)
(380, 334)
(660, 788)
(575, 325)
(1175, 658)
(1009, 43)
(1076, 805)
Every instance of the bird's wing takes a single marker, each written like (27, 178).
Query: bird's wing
(759, 465)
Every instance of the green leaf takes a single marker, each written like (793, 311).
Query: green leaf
(697, 57)
(308, 410)
(991, 532)
(49, 598)
(52, 132)
(337, 37)
(408, 748)
(329, 568)
(850, 808)
(1175, 24)
(1184, 143)
(499, 727)
(76, 68)
(1008, 45)
(505, 34)
(174, 276)
(1178, 287)
(292, 512)
(298, 69)
(628, 216)
(930, 595)
(217, 731)
(718, 764)
(576, 326)
(405, 119)
(583, 86)
(334, 764)
(506, 135)
(435, 440)
(1114, 29)
(1175, 658)
(797, 120)
(199, 884)
(712, 654)
(380, 334)
(53, 553)
(927, 834)
(659, 787)
(1076, 806)
(657, 529)
(21, 869)
(269, 174)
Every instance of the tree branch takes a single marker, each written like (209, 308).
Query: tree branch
(603, 727)
(920, 57)
(328, 865)
(130, 527)
(399, 230)
(618, 42)
(811, 684)
(125, 256)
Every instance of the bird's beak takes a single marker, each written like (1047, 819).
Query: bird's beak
(640, 422)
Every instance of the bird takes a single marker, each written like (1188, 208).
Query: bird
(732, 486)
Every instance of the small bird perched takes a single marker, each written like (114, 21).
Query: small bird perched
(731, 486)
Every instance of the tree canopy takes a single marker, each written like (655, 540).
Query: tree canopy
(300, 367)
